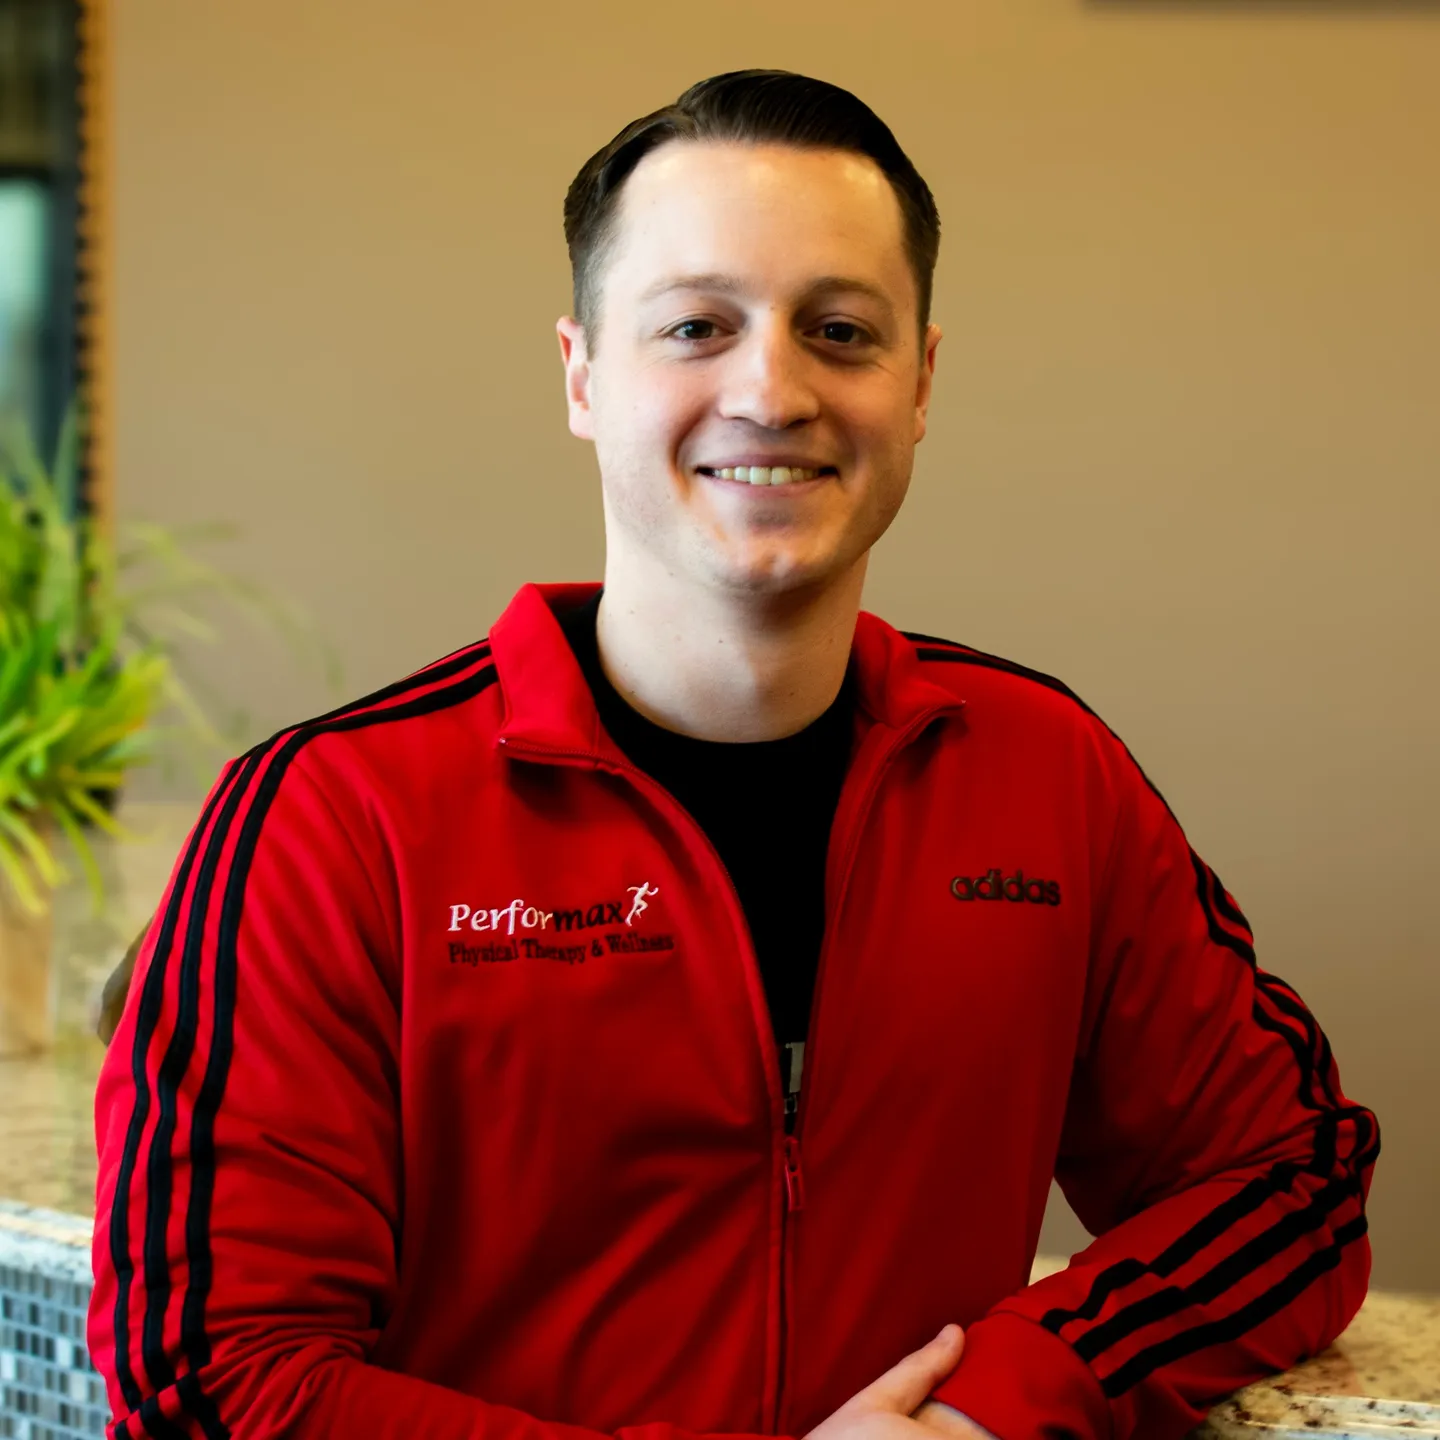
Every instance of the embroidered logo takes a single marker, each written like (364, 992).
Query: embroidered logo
(638, 905)
(991, 886)
(505, 920)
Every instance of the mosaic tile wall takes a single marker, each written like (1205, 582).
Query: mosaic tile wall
(48, 1388)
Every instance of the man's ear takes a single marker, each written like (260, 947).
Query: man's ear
(575, 357)
(927, 379)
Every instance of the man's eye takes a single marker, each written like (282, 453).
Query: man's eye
(686, 324)
(845, 325)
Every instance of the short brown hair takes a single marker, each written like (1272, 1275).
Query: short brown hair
(755, 107)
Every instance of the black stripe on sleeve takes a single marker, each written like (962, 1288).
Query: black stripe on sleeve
(159, 1426)
(1245, 1201)
(147, 1017)
(194, 1338)
(1211, 894)
(160, 1168)
(1315, 1094)
(225, 798)
(1231, 1327)
(1256, 1252)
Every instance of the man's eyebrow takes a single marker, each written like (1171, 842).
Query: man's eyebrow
(729, 285)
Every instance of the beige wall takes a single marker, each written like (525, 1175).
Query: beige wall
(1183, 446)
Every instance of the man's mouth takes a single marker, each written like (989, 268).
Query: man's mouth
(768, 474)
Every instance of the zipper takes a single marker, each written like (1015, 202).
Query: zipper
(792, 1118)
(794, 1175)
(847, 861)
(794, 1179)
(789, 1147)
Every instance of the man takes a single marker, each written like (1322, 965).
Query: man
(668, 1012)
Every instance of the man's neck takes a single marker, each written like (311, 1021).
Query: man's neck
(720, 666)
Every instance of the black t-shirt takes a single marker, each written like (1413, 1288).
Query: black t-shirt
(767, 807)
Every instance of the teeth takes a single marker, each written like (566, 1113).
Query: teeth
(767, 474)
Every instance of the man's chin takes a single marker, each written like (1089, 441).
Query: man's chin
(771, 577)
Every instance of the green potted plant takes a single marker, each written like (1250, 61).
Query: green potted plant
(87, 670)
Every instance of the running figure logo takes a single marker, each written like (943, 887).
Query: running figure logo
(638, 905)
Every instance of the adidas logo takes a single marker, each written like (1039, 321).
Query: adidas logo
(991, 886)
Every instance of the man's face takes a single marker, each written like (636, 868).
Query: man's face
(777, 355)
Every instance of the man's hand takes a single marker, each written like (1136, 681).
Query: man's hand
(947, 1420)
(883, 1409)
(112, 998)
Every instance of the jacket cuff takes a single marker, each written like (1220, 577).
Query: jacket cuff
(1021, 1382)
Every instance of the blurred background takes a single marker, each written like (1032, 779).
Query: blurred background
(1183, 445)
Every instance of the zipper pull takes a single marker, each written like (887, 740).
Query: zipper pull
(794, 1180)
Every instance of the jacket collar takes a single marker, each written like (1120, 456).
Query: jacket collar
(548, 705)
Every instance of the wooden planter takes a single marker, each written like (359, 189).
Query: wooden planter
(28, 978)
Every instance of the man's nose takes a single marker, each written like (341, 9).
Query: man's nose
(769, 379)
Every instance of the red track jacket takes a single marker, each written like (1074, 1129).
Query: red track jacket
(446, 1104)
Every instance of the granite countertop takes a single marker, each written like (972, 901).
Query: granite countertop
(1381, 1378)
